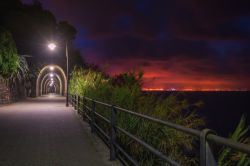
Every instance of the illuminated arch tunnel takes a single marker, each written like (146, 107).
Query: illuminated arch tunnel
(51, 79)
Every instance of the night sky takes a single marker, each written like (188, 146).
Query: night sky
(180, 44)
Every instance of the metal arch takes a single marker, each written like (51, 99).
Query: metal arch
(40, 86)
(42, 83)
(41, 73)
(45, 84)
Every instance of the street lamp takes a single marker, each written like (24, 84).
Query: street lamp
(51, 68)
(52, 47)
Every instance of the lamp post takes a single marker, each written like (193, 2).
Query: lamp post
(52, 47)
(67, 74)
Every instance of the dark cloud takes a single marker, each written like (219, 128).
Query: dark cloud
(192, 41)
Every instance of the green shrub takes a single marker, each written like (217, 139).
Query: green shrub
(125, 91)
(9, 60)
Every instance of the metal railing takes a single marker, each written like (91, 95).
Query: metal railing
(205, 136)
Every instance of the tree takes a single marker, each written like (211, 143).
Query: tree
(66, 31)
(32, 27)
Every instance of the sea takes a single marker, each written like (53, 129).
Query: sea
(221, 110)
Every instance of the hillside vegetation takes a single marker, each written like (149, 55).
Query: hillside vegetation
(125, 91)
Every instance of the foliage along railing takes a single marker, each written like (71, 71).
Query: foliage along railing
(206, 136)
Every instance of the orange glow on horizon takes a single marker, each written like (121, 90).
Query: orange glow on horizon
(179, 76)
(195, 90)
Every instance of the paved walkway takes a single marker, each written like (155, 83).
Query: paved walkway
(43, 132)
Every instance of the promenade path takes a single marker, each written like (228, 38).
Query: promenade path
(43, 132)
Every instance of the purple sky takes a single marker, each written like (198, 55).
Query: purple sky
(195, 44)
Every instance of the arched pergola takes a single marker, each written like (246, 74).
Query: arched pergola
(46, 79)
(43, 79)
(48, 87)
(48, 83)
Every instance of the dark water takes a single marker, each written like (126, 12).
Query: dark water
(221, 110)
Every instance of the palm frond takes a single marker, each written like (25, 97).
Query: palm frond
(228, 156)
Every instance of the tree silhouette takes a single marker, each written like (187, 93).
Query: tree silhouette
(32, 27)
(66, 31)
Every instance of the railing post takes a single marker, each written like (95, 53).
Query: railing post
(74, 101)
(69, 99)
(206, 154)
(113, 134)
(70, 96)
(83, 108)
(93, 117)
(77, 103)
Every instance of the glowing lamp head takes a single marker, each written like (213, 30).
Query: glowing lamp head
(51, 83)
(51, 75)
(52, 46)
(51, 68)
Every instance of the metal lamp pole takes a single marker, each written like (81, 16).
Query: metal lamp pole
(67, 74)
(52, 47)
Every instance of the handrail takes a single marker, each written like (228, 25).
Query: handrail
(150, 148)
(206, 136)
(229, 142)
(169, 124)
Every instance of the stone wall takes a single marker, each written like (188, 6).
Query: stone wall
(5, 95)
(11, 94)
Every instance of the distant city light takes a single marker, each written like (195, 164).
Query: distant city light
(153, 89)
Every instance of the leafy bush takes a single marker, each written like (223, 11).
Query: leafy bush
(9, 60)
(12, 66)
(125, 91)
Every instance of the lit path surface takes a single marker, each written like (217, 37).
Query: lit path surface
(43, 132)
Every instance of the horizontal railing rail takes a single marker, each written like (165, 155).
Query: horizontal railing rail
(205, 136)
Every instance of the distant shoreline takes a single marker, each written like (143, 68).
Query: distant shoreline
(195, 91)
